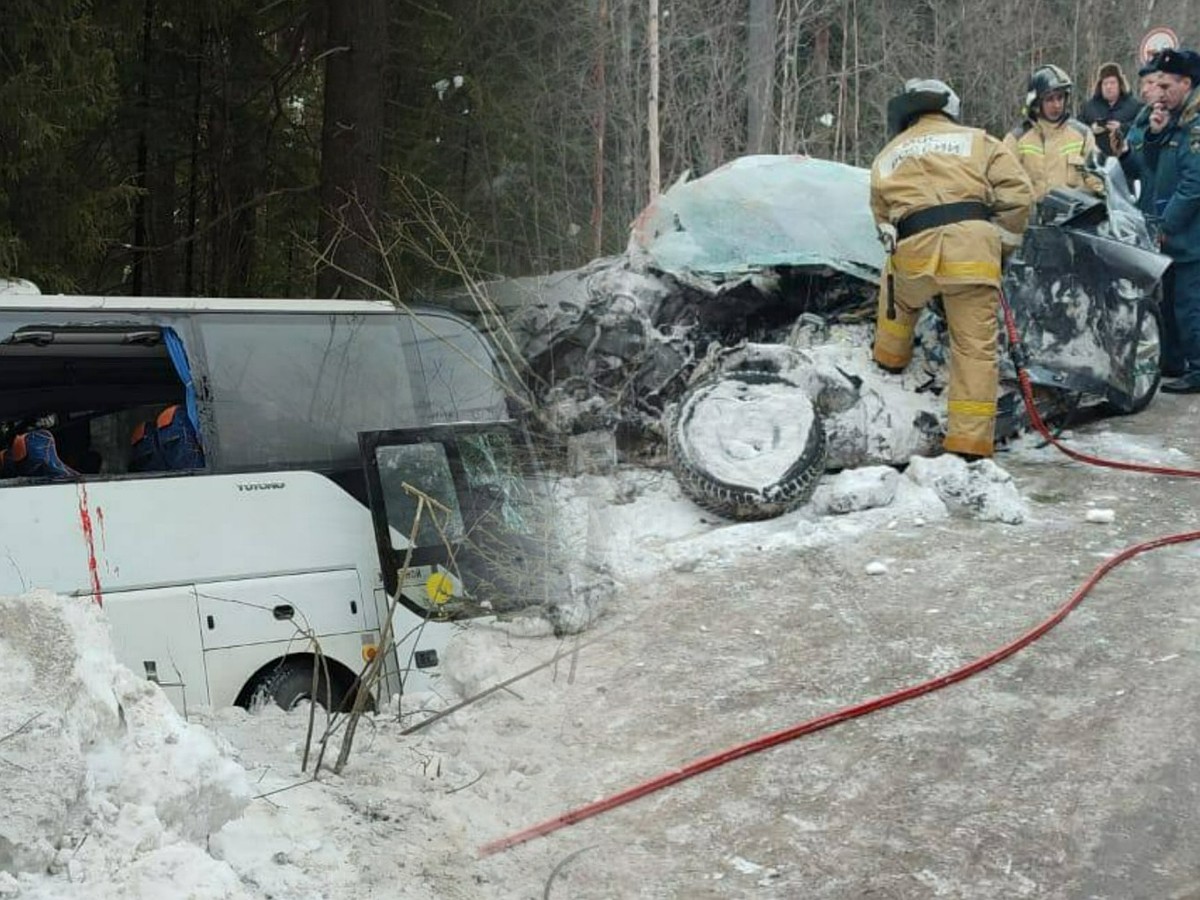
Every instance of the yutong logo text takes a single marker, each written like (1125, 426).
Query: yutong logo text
(260, 486)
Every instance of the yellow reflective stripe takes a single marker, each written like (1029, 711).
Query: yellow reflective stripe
(1071, 148)
(989, 270)
(917, 265)
(911, 264)
(1030, 148)
(896, 327)
(982, 408)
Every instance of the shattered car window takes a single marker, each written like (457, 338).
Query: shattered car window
(761, 212)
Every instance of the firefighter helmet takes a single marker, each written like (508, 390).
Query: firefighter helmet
(1043, 81)
(921, 95)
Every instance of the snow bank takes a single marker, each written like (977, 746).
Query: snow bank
(978, 490)
(637, 523)
(106, 790)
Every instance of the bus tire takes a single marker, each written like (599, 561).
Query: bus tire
(291, 681)
(731, 501)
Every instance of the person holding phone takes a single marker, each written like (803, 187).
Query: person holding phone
(1111, 109)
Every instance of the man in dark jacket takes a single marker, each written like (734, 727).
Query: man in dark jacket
(1164, 155)
(1111, 108)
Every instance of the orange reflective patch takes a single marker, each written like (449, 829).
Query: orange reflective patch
(166, 416)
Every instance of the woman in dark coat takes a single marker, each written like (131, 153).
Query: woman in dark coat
(1110, 108)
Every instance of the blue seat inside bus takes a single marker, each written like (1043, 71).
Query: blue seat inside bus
(169, 443)
(34, 454)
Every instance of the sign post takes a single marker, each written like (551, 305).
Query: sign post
(1158, 38)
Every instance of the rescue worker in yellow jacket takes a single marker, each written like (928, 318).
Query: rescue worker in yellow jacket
(943, 195)
(1051, 144)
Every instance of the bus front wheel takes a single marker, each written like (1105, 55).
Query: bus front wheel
(290, 682)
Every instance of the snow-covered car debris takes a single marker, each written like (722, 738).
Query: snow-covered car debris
(770, 265)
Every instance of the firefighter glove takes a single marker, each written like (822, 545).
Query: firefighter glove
(887, 237)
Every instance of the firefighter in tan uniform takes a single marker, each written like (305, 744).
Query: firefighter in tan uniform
(942, 195)
(1050, 144)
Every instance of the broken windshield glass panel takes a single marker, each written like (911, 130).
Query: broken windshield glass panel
(486, 521)
(761, 212)
(405, 472)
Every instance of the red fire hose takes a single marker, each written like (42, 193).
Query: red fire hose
(847, 713)
(1017, 351)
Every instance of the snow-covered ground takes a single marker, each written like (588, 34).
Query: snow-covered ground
(106, 792)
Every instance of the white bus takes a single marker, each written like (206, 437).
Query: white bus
(227, 478)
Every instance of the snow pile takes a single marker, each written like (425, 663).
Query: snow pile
(471, 662)
(106, 792)
(977, 490)
(407, 815)
(638, 523)
(857, 489)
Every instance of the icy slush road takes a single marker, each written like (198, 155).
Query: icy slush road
(1068, 771)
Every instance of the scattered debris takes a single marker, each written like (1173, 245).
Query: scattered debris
(592, 453)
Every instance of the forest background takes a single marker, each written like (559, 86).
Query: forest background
(382, 147)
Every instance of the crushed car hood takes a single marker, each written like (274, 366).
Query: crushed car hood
(758, 213)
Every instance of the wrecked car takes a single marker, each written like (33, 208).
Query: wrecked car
(735, 331)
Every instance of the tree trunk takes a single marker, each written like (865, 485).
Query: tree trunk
(143, 157)
(243, 165)
(826, 144)
(760, 77)
(351, 149)
(193, 201)
(652, 109)
(628, 116)
(600, 122)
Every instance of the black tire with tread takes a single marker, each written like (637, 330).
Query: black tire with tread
(291, 681)
(735, 501)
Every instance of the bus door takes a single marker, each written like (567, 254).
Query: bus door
(462, 519)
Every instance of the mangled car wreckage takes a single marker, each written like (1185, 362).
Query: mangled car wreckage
(735, 331)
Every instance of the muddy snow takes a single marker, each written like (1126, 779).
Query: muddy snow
(108, 793)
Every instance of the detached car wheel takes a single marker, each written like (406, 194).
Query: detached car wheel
(1147, 365)
(747, 445)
